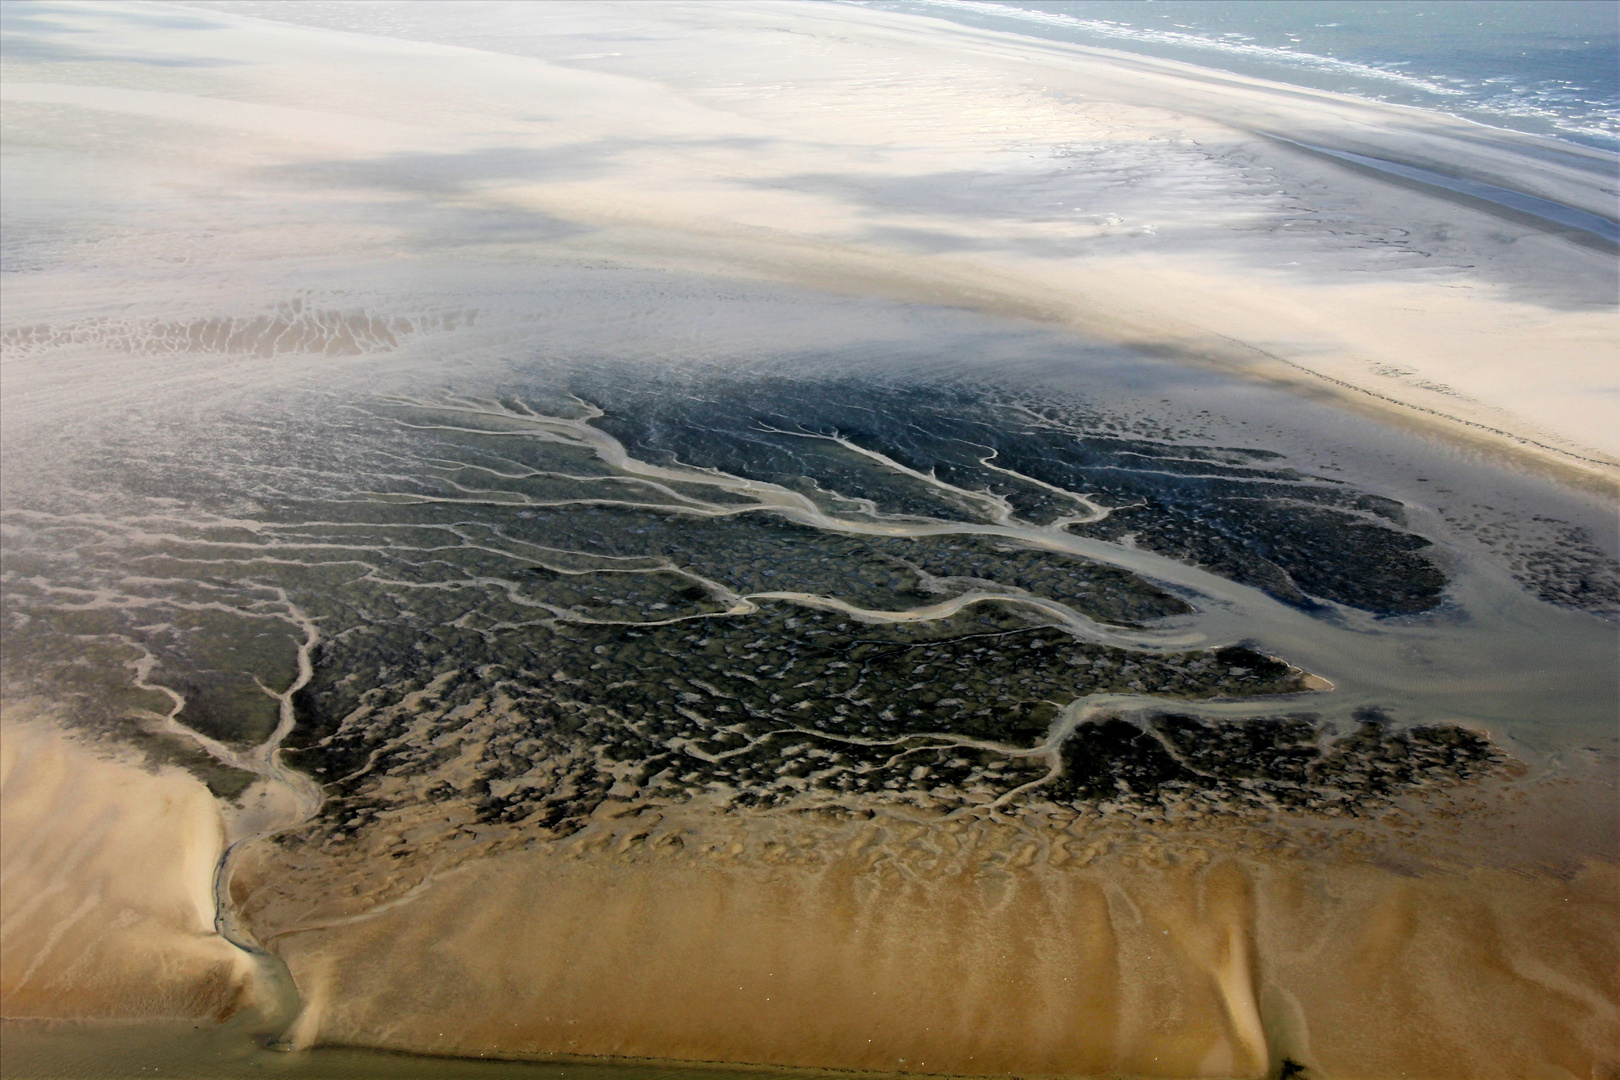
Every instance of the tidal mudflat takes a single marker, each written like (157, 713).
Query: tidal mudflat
(454, 607)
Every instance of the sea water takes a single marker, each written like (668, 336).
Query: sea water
(1542, 66)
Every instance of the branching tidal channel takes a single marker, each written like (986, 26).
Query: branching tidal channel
(422, 625)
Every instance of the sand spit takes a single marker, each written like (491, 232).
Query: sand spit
(107, 907)
(959, 948)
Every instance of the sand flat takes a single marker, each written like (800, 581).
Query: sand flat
(109, 869)
(892, 154)
(904, 946)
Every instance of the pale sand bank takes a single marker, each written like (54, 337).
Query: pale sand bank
(889, 945)
(108, 869)
(965, 948)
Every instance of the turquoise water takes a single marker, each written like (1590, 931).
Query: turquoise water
(1543, 66)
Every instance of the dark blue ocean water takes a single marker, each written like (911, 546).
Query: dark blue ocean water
(1547, 66)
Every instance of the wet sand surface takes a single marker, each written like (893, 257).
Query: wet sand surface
(94, 1050)
(486, 578)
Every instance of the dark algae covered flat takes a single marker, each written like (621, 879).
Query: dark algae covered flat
(751, 591)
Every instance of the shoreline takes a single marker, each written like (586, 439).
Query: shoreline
(1150, 43)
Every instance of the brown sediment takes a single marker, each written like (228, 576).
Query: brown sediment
(107, 905)
(1049, 944)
